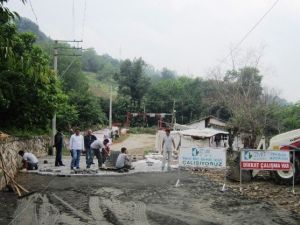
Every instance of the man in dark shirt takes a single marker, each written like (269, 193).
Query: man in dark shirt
(88, 140)
(58, 144)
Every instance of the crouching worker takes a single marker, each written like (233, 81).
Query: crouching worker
(123, 161)
(97, 147)
(30, 162)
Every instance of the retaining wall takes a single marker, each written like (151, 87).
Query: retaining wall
(10, 146)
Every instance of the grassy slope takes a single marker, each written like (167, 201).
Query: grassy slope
(97, 87)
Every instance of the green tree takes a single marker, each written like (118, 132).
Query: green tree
(5, 14)
(167, 74)
(188, 104)
(290, 116)
(132, 81)
(250, 107)
(29, 90)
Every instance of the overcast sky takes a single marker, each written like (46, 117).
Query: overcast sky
(189, 36)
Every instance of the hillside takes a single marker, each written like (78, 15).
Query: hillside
(93, 65)
(97, 87)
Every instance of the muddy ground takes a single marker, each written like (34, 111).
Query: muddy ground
(262, 187)
(139, 199)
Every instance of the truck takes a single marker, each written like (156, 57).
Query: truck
(285, 142)
(282, 142)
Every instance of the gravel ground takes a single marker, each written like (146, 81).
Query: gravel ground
(137, 143)
(262, 188)
(149, 198)
(50, 169)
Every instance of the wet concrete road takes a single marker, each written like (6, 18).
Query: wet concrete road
(138, 199)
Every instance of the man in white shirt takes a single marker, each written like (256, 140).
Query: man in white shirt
(30, 162)
(167, 145)
(123, 161)
(97, 147)
(76, 146)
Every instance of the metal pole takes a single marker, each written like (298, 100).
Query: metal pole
(178, 177)
(225, 173)
(173, 114)
(241, 190)
(178, 174)
(294, 171)
(110, 108)
(54, 116)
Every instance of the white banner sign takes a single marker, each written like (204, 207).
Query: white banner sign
(202, 157)
(265, 160)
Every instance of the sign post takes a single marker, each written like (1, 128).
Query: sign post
(264, 160)
(294, 171)
(204, 157)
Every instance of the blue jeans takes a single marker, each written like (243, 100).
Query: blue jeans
(89, 157)
(75, 158)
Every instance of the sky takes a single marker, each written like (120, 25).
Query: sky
(192, 37)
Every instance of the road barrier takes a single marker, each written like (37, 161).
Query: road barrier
(271, 160)
(202, 157)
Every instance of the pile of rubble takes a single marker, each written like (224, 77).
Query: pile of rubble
(84, 171)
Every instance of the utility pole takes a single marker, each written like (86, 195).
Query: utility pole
(110, 108)
(173, 116)
(56, 54)
(54, 116)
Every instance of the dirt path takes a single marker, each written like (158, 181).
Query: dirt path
(139, 199)
(137, 143)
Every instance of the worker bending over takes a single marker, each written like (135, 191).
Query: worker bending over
(30, 162)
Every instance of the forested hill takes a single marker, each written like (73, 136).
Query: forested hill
(26, 25)
(79, 95)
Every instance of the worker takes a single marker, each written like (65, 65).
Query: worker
(76, 146)
(167, 147)
(58, 144)
(97, 147)
(123, 163)
(106, 149)
(30, 162)
(88, 140)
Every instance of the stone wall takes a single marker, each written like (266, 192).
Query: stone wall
(10, 146)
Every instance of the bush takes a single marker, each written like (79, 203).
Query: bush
(142, 130)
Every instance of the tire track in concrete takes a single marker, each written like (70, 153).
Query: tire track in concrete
(140, 216)
(94, 205)
(46, 212)
(74, 211)
(186, 218)
(68, 220)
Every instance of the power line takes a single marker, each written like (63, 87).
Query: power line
(33, 12)
(68, 67)
(249, 32)
(73, 18)
(83, 20)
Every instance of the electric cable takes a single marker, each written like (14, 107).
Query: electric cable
(249, 32)
(33, 12)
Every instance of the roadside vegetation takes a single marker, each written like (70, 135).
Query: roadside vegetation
(30, 91)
